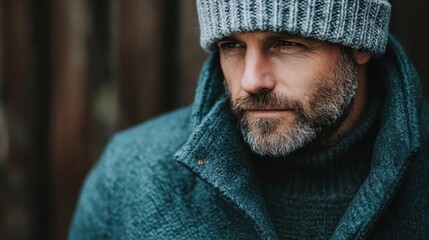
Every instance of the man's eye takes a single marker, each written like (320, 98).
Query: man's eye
(229, 45)
(283, 43)
(231, 48)
(289, 46)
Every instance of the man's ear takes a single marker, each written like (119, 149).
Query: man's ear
(361, 57)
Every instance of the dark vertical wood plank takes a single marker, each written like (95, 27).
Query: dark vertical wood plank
(40, 186)
(137, 34)
(104, 87)
(71, 108)
(17, 62)
(190, 52)
(16, 215)
(169, 54)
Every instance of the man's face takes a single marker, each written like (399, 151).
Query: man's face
(286, 91)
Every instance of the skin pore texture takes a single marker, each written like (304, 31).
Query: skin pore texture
(289, 92)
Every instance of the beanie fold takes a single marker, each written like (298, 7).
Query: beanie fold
(360, 24)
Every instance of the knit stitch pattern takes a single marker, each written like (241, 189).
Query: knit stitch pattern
(307, 193)
(360, 24)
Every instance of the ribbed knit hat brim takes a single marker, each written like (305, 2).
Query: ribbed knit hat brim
(360, 24)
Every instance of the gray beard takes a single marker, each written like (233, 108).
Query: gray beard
(280, 143)
(330, 104)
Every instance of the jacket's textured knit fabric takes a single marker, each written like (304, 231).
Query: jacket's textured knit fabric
(151, 182)
(307, 192)
(360, 24)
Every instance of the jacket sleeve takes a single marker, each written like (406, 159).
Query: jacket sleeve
(92, 215)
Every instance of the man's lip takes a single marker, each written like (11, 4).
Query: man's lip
(267, 112)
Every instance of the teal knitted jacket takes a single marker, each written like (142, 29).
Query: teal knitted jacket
(188, 174)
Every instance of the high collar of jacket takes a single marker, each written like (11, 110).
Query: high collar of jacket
(226, 164)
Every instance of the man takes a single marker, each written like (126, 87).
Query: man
(308, 123)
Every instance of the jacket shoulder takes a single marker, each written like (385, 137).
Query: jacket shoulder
(143, 156)
(160, 135)
(135, 173)
(147, 150)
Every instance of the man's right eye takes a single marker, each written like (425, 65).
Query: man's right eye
(228, 45)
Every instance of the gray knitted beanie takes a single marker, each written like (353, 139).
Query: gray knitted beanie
(360, 24)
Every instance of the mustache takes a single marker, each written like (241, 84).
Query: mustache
(264, 101)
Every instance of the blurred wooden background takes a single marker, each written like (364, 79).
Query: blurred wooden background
(72, 72)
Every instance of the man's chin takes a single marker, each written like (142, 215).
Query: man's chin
(270, 114)
(279, 142)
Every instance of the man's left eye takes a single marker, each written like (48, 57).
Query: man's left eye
(289, 46)
(284, 43)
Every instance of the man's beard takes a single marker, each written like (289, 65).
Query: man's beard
(328, 105)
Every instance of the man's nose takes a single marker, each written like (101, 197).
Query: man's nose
(257, 76)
